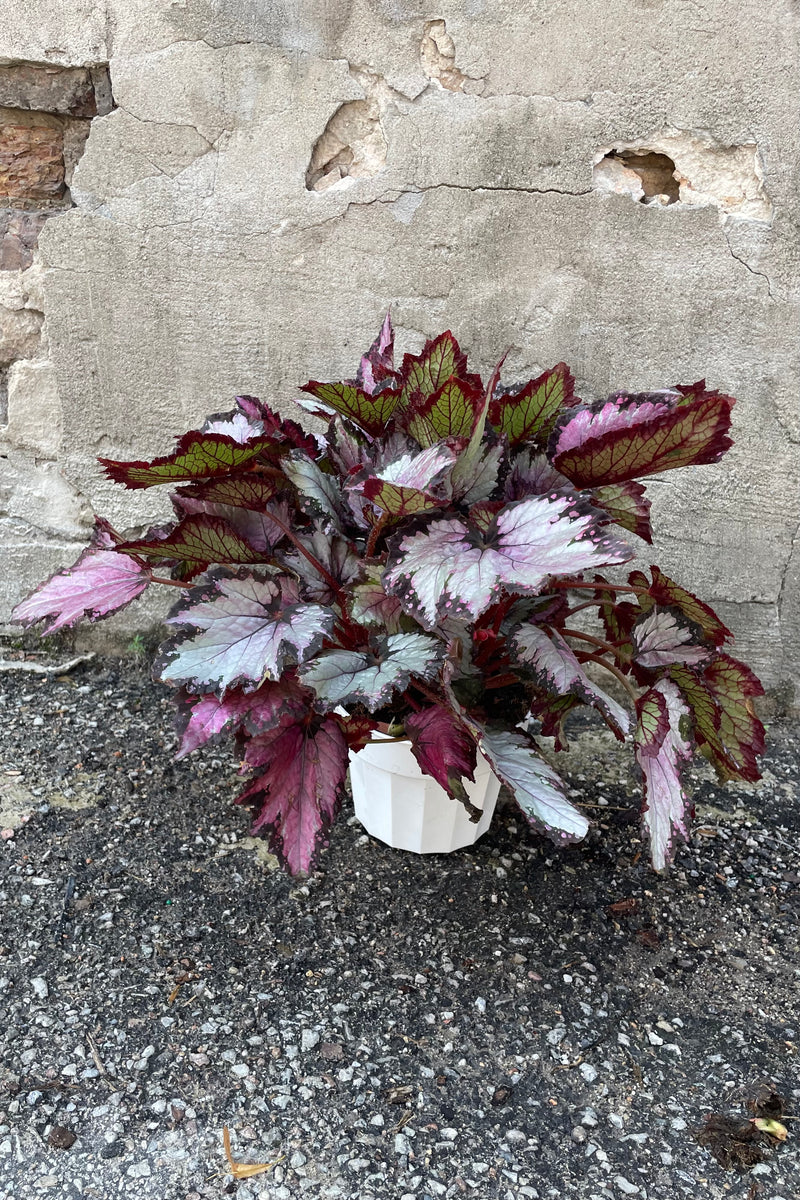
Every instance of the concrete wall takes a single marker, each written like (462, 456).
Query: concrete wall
(273, 175)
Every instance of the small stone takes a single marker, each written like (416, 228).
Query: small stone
(61, 1138)
(240, 1070)
(625, 1185)
(309, 1038)
(401, 1144)
(298, 1159)
(140, 1170)
(579, 1135)
(654, 1039)
(588, 1072)
(39, 987)
(331, 1051)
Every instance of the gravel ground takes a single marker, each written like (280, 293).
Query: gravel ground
(514, 1021)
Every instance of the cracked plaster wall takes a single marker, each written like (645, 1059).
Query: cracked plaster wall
(203, 258)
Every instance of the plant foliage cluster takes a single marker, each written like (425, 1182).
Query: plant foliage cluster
(419, 569)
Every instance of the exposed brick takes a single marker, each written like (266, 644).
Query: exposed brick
(69, 91)
(31, 160)
(19, 236)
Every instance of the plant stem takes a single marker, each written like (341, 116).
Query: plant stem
(375, 533)
(587, 637)
(315, 563)
(170, 582)
(601, 662)
(434, 699)
(574, 585)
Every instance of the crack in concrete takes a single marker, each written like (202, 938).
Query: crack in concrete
(779, 603)
(745, 263)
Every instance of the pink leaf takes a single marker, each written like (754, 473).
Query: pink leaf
(202, 719)
(665, 813)
(298, 789)
(450, 569)
(623, 412)
(102, 581)
(377, 364)
(659, 641)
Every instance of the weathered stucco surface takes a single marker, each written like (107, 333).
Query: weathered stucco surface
(273, 176)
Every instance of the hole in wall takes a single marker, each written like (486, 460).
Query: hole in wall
(646, 175)
(353, 143)
(689, 166)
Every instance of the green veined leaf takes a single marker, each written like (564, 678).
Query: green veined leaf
(198, 539)
(370, 413)
(197, 456)
(449, 412)
(425, 373)
(627, 506)
(670, 437)
(529, 413)
(668, 593)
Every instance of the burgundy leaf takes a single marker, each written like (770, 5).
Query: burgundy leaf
(358, 730)
(102, 581)
(642, 438)
(666, 810)
(659, 641)
(530, 411)
(443, 748)
(298, 789)
(202, 719)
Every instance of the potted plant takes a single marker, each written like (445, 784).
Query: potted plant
(417, 574)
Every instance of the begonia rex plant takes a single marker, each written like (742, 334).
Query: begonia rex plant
(418, 570)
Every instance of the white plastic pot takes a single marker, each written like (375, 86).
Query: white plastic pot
(408, 810)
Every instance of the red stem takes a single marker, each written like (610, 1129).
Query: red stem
(614, 671)
(318, 567)
(170, 582)
(587, 637)
(377, 530)
(574, 585)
